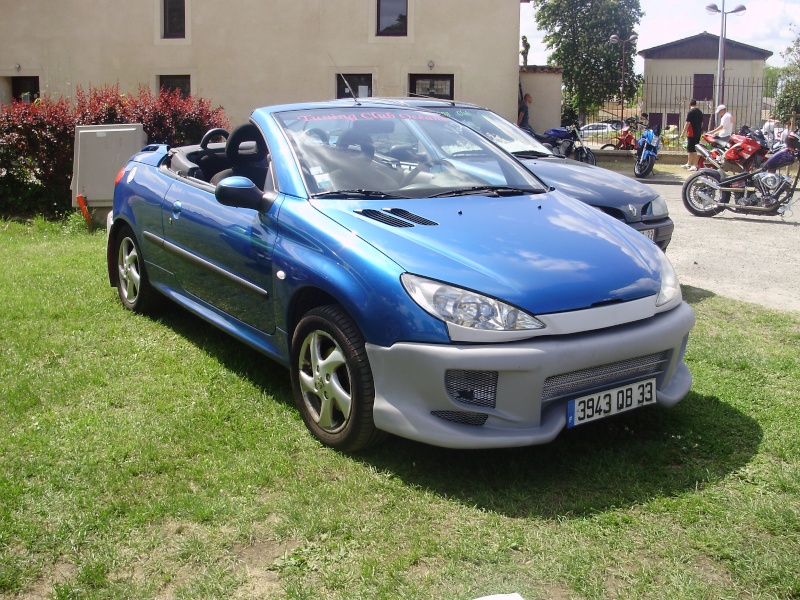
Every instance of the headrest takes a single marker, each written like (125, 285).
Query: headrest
(254, 152)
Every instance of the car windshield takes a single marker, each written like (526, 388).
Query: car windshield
(397, 153)
(503, 133)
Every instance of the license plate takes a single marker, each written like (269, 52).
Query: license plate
(610, 402)
(650, 234)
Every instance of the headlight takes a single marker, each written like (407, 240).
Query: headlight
(658, 208)
(670, 286)
(464, 308)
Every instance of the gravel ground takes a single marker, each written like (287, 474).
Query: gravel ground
(751, 258)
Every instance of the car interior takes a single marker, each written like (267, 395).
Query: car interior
(244, 153)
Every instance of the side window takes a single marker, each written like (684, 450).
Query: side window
(174, 19)
(183, 83)
(432, 86)
(25, 89)
(392, 18)
(360, 85)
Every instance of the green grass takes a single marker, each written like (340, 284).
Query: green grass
(156, 458)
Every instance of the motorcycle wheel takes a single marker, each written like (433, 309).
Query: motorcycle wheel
(585, 155)
(608, 147)
(693, 187)
(642, 168)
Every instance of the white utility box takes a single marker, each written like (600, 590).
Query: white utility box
(100, 152)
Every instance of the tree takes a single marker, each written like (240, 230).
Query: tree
(577, 33)
(787, 103)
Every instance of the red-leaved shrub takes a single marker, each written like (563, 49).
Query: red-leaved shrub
(37, 139)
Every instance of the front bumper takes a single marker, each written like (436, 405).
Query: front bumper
(662, 230)
(516, 394)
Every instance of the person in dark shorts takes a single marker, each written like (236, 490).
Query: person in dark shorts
(692, 128)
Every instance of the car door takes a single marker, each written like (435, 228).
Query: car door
(221, 255)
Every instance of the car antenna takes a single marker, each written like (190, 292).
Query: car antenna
(346, 83)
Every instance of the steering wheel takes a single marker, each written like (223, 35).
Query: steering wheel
(318, 134)
(211, 134)
(425, 166)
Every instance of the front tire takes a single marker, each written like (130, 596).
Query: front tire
(643, 168)
(693, 190)
(133, 285)
(608, 147)
(332, 380)
(585, 155)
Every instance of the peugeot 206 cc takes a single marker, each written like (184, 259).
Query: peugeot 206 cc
(415, 278)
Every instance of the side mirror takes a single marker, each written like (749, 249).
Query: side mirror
(240, 192)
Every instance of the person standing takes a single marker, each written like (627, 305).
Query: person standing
(725, 127)
(692, 128)
(523, 113)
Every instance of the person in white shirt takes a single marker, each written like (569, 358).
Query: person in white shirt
(725, 127)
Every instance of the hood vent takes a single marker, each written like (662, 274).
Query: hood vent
(404, 214)
(395, 217)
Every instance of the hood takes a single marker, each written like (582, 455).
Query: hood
(593, 185)
(543, 253)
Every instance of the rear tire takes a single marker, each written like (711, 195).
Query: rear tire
(643, 168)
(133, 285)
(694, 186)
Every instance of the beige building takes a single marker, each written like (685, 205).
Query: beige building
(543, 83)
(676, 72)
(251, 53)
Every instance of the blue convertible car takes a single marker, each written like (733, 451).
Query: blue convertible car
(416, 279)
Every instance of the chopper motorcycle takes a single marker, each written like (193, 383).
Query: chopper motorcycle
(565, 141)
(762, 191)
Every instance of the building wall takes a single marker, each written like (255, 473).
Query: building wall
(253, 53)
(544, 86)
(668, 89)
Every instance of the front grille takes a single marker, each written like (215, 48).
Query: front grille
(475, 419)
(585, 381)
(477, 388)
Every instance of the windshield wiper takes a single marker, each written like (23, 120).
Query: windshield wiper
(531, 154)
(488, 190)
(357, 194)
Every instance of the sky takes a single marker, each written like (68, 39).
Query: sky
(764, 25)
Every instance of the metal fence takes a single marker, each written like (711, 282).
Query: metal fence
(666, 101)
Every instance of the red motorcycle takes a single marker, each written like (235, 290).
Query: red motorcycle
(742, 153)
(625, 140)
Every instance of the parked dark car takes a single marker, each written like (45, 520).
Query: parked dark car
(623, 198)
(413, 277)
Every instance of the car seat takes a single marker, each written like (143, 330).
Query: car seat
(247, 155)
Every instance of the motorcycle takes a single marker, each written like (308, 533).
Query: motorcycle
(762, 191)
(565, 141)
(741, 153)
(625, 140)
(647, 153)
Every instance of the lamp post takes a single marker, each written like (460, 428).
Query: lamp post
(713, 9)
(617, 40)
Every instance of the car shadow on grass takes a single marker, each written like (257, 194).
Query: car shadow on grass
(623, 461)
(618, 462)
(236, 356)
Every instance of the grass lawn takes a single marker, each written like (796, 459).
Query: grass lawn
(150, 457)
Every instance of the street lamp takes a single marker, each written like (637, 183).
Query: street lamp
(617, 40)
(713, 9)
